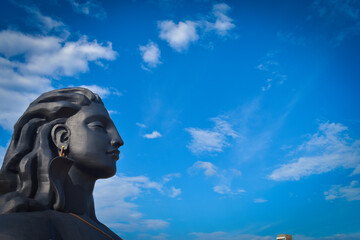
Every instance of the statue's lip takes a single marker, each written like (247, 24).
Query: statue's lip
(112, 151)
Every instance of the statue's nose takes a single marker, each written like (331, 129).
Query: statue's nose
(117, 142)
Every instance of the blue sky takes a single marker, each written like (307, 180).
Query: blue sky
(240, 118)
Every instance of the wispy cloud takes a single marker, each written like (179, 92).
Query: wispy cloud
(271, 68)
(222, 178)
(267, 86)
(141, 125)
(153, 135)
(146, 236)
(113, 201)
(204, 141)
(291, 38)
(350, 193)
(241, 236)
(341, 18)
(103, 92)
(208, 168)
(180, 35)
(2, 154)
(227, 236)
(336, 20)
(223, 23)
(150, 54)
(211, 140)
(349, 236)
(14, 43)
(175, 192)
(329, 148)
(225, 189)
(90, 7)
(260, 200)
(43, 23)
(170, 176)
(222, 189)
(114, 198)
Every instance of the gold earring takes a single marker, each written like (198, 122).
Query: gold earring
(62, 152)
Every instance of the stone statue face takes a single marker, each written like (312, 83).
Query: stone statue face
(94, 141)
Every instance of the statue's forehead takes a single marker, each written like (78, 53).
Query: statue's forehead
(94, 109)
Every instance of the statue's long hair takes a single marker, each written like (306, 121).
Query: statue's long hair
(26, 183)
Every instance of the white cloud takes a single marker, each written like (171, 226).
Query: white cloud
(89, 7)
(150, 54)
(350, 193)
(260, 200)
(326, 150)
(208, 167)
(180, 35)
(114, 201)
(223, 23)
(211, 141)
(153, 135)
(44, 58)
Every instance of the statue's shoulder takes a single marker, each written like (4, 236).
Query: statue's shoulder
(26, 225)
(50, 224)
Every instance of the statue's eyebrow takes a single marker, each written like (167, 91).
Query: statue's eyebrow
(98, 117)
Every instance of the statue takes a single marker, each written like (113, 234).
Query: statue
(61, 145)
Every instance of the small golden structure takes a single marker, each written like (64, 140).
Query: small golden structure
(284, 237)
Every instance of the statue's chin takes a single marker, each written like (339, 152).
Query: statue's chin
(108, 173)
(105, 171)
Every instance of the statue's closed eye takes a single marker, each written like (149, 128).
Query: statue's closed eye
(96, 124)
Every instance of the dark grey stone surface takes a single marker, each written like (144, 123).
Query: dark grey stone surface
(47, 196)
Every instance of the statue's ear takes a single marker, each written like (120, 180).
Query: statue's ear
(60, 135)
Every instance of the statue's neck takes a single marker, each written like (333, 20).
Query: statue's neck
(78, 193)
